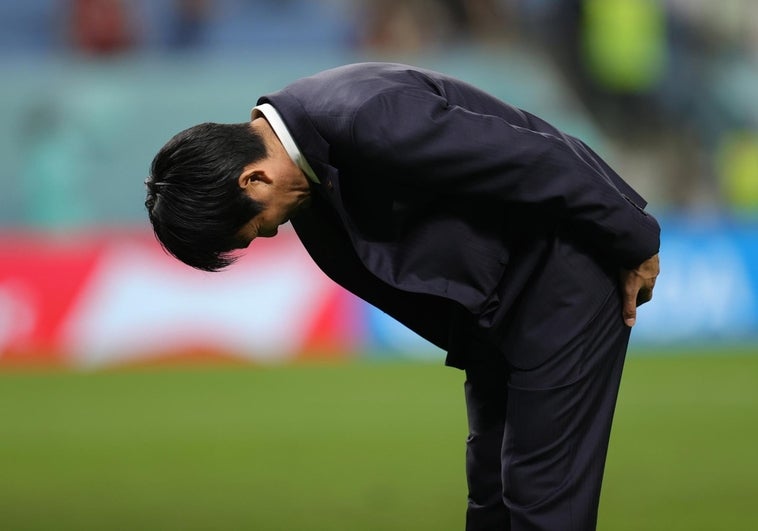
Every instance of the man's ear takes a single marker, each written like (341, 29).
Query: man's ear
(253, 177)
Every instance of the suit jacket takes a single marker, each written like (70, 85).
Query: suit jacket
(465, 218)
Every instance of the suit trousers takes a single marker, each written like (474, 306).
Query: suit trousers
(538, 438)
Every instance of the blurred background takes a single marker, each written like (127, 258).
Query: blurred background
(665, 90)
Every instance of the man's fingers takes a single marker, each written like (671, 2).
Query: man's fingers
(646, 291)
(644, 295)
(629, 310)
(637, 287)
(629, 291)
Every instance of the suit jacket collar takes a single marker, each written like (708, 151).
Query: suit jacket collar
(313, 146)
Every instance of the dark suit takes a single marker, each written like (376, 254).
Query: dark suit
(494, 236)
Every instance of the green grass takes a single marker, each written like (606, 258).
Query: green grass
(363, 446)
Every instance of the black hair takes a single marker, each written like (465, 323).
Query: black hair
(194, 200)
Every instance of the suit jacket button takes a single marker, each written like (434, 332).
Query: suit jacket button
(329, 185)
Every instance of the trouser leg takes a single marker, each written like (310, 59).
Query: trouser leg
(486, 401)
(538, 438)
(558, 426)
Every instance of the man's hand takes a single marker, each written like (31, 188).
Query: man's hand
(637, 287)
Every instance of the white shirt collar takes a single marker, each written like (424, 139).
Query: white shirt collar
(277, 124)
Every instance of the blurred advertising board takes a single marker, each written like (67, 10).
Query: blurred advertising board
(707, 292)
(114, 297)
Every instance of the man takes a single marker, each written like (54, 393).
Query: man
(486, 230)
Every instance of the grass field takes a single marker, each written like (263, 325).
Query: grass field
(361, 446)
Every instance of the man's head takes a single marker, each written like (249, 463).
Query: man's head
(194, 198)
(214, 188)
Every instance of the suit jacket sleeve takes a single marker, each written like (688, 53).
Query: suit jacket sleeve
(422, 140)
